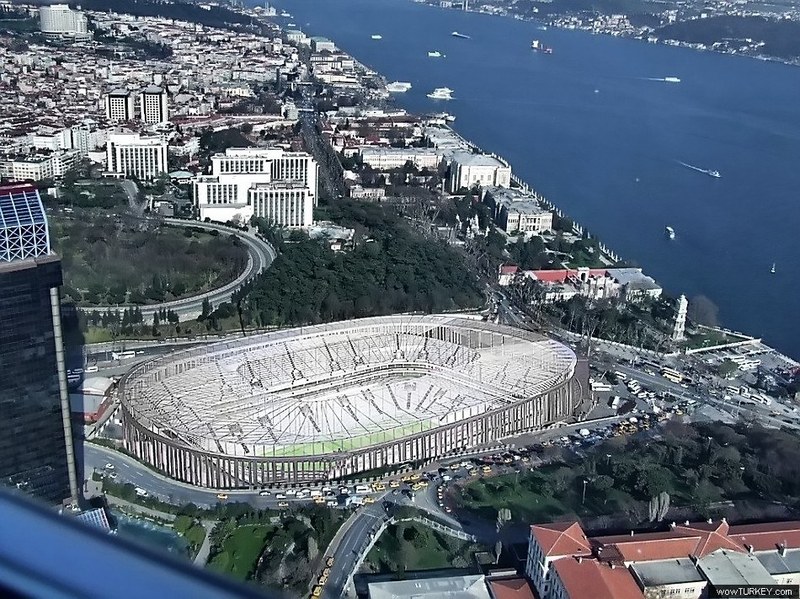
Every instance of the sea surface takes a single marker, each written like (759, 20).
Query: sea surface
(592, 129)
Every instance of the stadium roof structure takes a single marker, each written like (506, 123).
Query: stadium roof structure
(341, 386)
(23, 224)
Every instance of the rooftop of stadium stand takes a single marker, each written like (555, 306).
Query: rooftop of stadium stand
(341, 386)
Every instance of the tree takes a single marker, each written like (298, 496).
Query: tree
(205, 310)
(703, 311)
(727, 368)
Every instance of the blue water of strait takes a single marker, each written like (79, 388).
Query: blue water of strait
(590, 128)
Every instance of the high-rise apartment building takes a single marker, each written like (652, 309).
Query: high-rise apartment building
(130, 155)
(269, 183)
(119, 106)
(153, 105)
(36, 448)
(60, 20)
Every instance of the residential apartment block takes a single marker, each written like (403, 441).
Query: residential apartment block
(119, 106)
(268, 183)
(153, 105)
(38, 166)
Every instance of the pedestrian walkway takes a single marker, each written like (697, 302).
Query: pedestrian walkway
(201, 559)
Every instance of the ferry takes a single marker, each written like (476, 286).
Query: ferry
(772, 270)
(376, 36)
(398, 87)
(672, 79)
(670, 232)
(540, 47)
(461, 35)
(435, 54)
(441, 93)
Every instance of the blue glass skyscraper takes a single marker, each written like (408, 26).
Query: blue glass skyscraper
(36, 446)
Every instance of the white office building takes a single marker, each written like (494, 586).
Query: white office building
(119, 106)
(268, 183)
(468, 169)
(59, 20)
(130, 155)
(153, 105)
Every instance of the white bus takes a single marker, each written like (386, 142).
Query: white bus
(621, 376)
(597, 386)
(362, 489)
(122, 355)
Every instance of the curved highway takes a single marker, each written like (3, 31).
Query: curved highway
(260, 257)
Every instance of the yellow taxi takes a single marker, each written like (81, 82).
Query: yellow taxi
(416, 487)
(329, 561)
(222, 496)
(406, 479)
(378, 487)
(423, 483)
(394, 484)
(317, 592)
(320, 501)
(486, 469)
(369, 500)
(414, 476)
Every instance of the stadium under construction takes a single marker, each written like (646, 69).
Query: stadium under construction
(323, 402)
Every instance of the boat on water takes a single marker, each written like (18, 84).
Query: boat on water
(461, 35)
(291, 25)
(286, 15)
(542, 28)
(398, 87)
(435, 54)
(670, 232)
(540, 47)
(441, 93)
(772, 270)
(705, 171)
(672, 79)
(376, 36)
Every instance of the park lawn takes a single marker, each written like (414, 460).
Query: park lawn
(97, 335)
(241, 550)
(190, 530)
(528, 503)
(427, 550)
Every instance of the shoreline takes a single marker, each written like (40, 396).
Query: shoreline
(662, 42)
